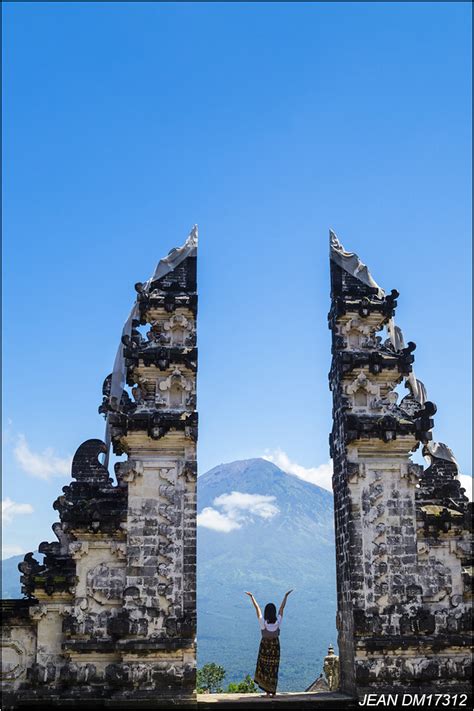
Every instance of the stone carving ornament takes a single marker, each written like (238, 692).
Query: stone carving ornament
(351, 263)
(105, 583)
(13, 659)
(174, 387)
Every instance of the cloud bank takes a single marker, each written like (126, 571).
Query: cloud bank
(216, 521)
(320, 475)
(10, 509)
(44, 465)
(237, 509)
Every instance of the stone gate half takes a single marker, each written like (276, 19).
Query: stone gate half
(110, 613)
(402, 532)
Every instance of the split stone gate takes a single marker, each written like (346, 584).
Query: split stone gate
(108, 617)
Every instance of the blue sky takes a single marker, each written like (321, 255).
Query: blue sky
(266, 124)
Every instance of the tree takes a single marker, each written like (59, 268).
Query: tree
(246, 686)
(209, 678)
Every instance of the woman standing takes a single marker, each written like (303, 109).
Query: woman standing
(266, 673)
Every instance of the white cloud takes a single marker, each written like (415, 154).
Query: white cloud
(320, 475)
(42, 465)
(466, 482)
(213, 519)
(9, 549)
(10, 509)
(235, 503)
(237, 508)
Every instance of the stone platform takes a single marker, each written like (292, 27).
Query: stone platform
(286, 701)
(204, 702)
(306, 701)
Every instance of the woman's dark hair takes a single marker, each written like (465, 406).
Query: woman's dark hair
(270, 613)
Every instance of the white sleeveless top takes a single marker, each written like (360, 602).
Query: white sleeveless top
(270, 626)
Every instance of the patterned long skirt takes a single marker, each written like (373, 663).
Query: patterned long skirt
(266, 673)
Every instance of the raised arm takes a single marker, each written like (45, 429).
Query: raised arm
(283, 603)
(255, 604)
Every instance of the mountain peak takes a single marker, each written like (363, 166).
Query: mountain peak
(242, 465)
(258, 471)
